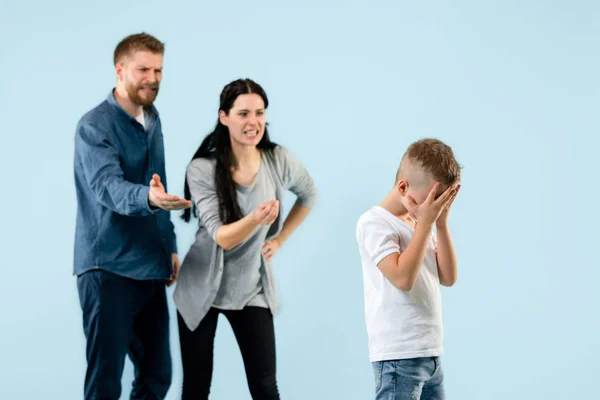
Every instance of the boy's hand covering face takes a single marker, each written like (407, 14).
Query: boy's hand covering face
(430, 210)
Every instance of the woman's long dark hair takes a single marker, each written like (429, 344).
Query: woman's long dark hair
(217, 145)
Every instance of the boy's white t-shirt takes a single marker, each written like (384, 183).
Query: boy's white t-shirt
(400, 324)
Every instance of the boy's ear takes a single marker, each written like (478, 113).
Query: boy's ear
(402, 187)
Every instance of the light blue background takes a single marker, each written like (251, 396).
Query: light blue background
(512, 85)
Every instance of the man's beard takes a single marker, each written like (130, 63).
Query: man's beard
(142, 100)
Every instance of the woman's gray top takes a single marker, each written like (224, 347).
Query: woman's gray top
(211, 277)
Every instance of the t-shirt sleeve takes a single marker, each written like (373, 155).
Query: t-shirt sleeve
(377, 238)
(200, 178)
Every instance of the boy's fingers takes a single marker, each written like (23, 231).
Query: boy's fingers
(446, 195)
(412, 204)
(450, 200)
(411, 201)
(433, 191)
(412, 207)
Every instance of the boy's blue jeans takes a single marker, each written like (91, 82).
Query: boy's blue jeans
(410, 379)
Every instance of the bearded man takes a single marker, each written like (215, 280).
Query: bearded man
(125, 248)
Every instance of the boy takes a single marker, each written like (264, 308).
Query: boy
(404, 264)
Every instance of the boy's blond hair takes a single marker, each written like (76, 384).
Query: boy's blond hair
(429, 158)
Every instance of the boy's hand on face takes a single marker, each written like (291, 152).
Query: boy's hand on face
(443, 218)
(431, 209)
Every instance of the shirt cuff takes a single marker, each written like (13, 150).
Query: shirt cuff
(384, 254)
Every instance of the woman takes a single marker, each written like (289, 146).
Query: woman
(236, 181)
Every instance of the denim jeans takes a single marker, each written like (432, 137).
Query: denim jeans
(122, 316)
(410, 379)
